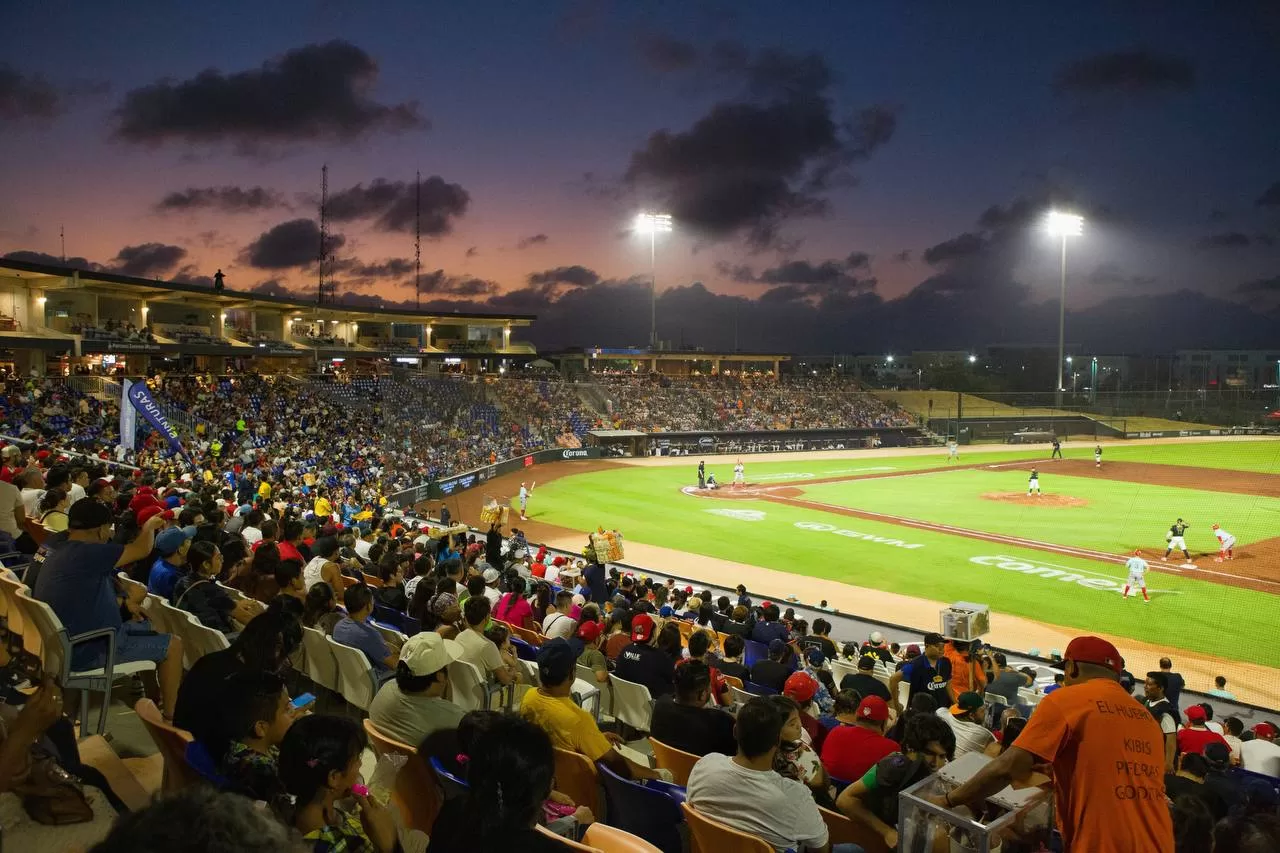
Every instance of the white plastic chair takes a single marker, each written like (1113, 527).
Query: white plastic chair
(739, 696)
(355, 674)
(56, 647)
(167, 619)
(471, 690)
(632, 704)
(530, 672)
(204, 639)
(839, 669)
(586, 688)
(321, 667)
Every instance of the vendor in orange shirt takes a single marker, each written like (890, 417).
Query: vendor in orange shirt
(1106, 753)
(967, 674)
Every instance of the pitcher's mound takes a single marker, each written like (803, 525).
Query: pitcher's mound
(1034, 500)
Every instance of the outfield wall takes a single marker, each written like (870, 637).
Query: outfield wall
(777, 441)
(436, 489)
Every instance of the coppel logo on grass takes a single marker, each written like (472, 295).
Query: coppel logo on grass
(1079, 577)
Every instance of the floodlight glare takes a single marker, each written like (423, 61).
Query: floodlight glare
(1064, 224)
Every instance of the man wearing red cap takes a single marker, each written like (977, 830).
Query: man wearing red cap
(1107, 754)
(642, 663)
(853, 747)
(1195, 735)
(1262, 754)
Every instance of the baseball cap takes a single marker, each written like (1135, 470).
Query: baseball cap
(966, 702)
(556, 661)
(1215, 527)
(876, 638)
(1137, 552)
(148, 512)
(776, 645)
(800, 686)
(665, 611)
(141, 501)
(589, 632)
(1195, 714)
(427, 652)
(87, 515)
(641, 628)
(491, 575)
(913, 649)
(867, 662)
(1218, 754)
(688, 590)
(1265, 730)
(873, 708)
(169, 541)
(1094, 650)
(815, 657)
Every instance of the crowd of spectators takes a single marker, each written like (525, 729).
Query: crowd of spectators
(655, 403)
(784, 719)
(112, 330)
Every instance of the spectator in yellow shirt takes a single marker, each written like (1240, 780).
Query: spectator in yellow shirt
(323, 509)
(264, 490)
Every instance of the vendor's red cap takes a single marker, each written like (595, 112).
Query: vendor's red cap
(589, 632)
(1094, 650)
(1265, 730)
(1195, 714)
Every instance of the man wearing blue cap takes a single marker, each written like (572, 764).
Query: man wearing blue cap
(552, 708)
(172, 546)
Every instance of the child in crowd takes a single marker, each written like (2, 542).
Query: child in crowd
(256, 717)
(319, 763)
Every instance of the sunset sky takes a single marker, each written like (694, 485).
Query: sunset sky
(875, 165)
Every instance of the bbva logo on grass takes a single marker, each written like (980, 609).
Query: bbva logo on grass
(740, 514)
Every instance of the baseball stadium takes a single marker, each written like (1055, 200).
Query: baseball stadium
(896, 535)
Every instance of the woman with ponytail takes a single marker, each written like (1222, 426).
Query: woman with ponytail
(319, 764)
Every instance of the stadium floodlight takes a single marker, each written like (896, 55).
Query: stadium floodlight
(1063, 225)
(972, 359)
(653, 224)
(889, 359)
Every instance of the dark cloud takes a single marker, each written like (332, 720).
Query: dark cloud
(1129, 72)
(24, 96)
(1225, 240)
(666, 54)
(535, 240)
(189, 275)
(295, 243)
(1110, 275)
(394, 205)
(440, 283)
(573, 276)
(965, 245)
(353, 272)
(147, 260)
(472, 251)
(749, 165)
(1270, 196)
(807, 280)
(53, 260)
(319, 92)
(224, 199)
(903, 257)
(274, 287)
(1260, 286)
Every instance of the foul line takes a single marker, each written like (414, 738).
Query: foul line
(1069, 550)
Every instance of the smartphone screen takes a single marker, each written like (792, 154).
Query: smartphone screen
(304, 700)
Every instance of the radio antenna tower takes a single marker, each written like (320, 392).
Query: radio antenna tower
(324, 232)
(417, 238)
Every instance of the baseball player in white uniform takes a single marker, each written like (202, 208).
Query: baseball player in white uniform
(1226, 544)
(739, 474)
(1097, 456)
(1137, 575)
(1177, 540)
(953, 452)
(524, 500)
(1033, 483)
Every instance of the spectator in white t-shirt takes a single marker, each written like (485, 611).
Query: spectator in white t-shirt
(1262, 754)
(12, 514)
(559, 623)
(252, 531)
(744, 792)
(965, 719)
(491, 577)
(479, 650)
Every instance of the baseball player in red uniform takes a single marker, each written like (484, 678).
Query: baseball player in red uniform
(1226, 544)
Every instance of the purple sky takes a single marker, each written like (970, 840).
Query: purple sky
(839, 161)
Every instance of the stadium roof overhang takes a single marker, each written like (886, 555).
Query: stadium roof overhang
(50, 278)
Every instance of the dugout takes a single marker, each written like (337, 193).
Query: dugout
(619, 442)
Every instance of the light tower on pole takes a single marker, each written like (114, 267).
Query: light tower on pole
(653, 224)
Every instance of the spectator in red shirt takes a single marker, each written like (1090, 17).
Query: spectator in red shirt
(850, 750)
(1193, 737)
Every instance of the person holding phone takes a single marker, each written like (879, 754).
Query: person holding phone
(257, 715)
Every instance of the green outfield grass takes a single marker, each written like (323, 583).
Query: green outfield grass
(1119, 515)
(1186, 612)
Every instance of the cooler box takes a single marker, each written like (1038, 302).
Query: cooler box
(965, 620)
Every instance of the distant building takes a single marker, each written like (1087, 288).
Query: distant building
(1216, 369)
